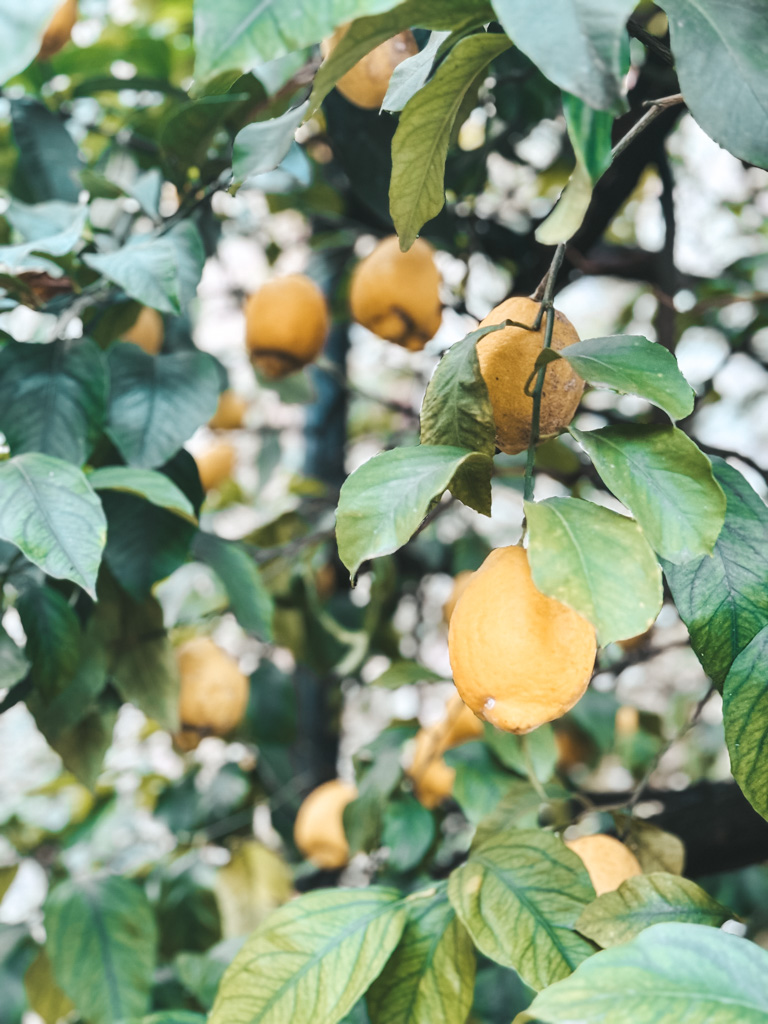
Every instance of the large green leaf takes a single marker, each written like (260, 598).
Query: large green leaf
(312, 959)
(665, 481)
(50, 512)
(519, 896)
(576, 43)
(260, 146)
(251, 602)
(668, 974)
(239, 34)
(51, 228)
(23, 27)
(53, 398)
(646, 900)
(13, 661)
(157, 402)
(633, 365)
(158, 271)
(53, 637)
(420, 145)
(596, 561)
(723, 598)
(383, 502)
(101, 938)
(720, 59)
(431, 975)
(49, 164)
(366, 33)
(154, 487)
(745, 716)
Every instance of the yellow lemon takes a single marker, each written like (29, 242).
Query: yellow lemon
(216, 464)
(146, 331)
(230, 412)
(367, 82)
(319, 827)
(608, 861)
(214, 692)
(286, 324)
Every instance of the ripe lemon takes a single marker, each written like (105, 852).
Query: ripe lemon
(59, 30)
(396, 294)
(507, 358)
(214, 692)
(459, 586)
(286, 324)
(146, 331)
(367, 82)
(319, 827)
(433, 779)
(230, 412)
(608, 862)
(519, 658)
(216, 465)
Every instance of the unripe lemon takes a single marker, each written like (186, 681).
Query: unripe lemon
(230, 412)
(146, 331)
(433, 779)
(519, 658)
(319, 827)
(214, 692)
(367, 82)
(216, 465)
(459, 586)
(507, 358)
(396, 294)
(286, 324)
(59, 30)
(608, 862)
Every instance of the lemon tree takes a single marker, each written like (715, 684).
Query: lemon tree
(383, 528)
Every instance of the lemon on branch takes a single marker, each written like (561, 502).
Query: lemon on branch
(213, 691)
(319, 827)
(286, 324)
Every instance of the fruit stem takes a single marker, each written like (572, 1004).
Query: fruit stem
(547, 303)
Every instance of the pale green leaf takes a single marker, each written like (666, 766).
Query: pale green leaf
(101, 940)
(633, 365)
(50, 512)
(53, 229)
(383, 502)
(405, 673)
(519, 896)
(250, 601)
(575, 43)
(537, 750)
(159, 271)
(261, 145)
(408, 831)
(409, 76)
(312, 959)
(655, 849)
(157, 402)
(568, 215)
(23, 28)
(596, 561)
(431, 975)
(665, 481)
(590, 134)
(720, 59)
(646, 900)
(723, 598)
(420, 145)
(156, 488)
(668, 974)
(745, 717)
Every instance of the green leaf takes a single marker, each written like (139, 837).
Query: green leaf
(17, 951)
(23, 27)
(239, 35)
(431, 975)
(49, 165)
(101, 942)
(519, 896)
(655, 849)
(723, 598)
(405, 673)
(13, 661)
(188, 131)
(158, 271)
(312, 959)
(383, 502)
(669, 973)
(53, 637)
(49, 511)
(568, 214)
(665, 481)
(646, 900)
(408, 830)
(420, 145)
(596, 561)
(720, 60)
(575, 43)
(153, 487)
(51, 228)
(157, 402)
(262, 145)
(250, 601)
(745, 716)
(409, 76)
(511, 750)
(633, 365)
(480, 781)
(53, 398)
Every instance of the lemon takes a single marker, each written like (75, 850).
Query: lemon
(608, 861)
(216, 465)
(147, 331)
(319, 827)
(367, 82)
(214, 692)
(286, 324)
